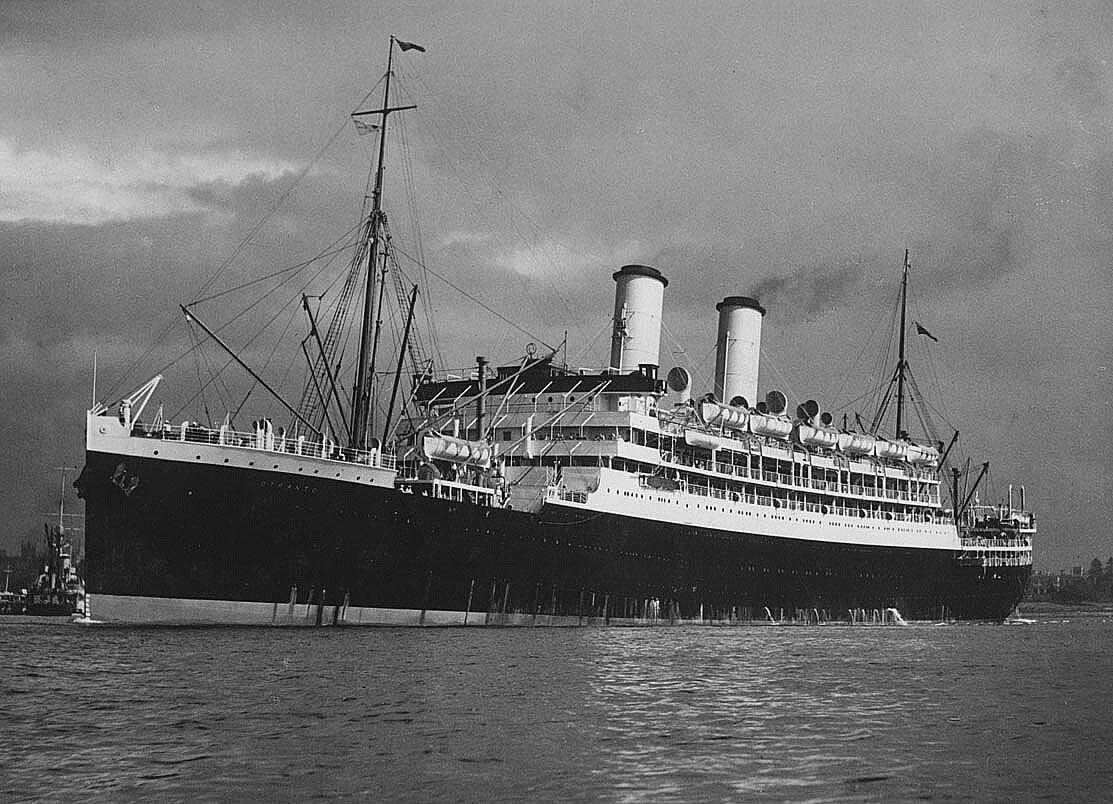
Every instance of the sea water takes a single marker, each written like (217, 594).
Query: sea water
(821, 713)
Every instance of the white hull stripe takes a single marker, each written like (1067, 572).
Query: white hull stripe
(138, 610)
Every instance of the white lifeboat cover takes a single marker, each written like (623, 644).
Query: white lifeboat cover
(767, 425)
(694, 438)
(725, 415)
(857, 443)
(817, 437)
(892, 450)
(921, 454)
(435, 446)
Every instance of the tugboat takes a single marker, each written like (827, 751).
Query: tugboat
(58, 592)
(11, 602)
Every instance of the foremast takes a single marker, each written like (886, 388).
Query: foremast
(362, 417)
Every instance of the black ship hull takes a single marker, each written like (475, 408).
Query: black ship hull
(186, 543)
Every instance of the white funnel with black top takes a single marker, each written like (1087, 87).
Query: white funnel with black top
(737, 348)
(638, 299)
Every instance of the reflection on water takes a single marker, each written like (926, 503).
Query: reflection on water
(733, 714)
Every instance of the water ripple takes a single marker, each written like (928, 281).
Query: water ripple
(712, 714)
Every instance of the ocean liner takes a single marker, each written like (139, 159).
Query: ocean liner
(534, 493)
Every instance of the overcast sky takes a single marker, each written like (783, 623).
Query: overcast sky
(787, 150)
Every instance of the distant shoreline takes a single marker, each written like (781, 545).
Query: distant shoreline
(1080, 608)
(35, 619)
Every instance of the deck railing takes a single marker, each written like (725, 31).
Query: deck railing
(972, 542)
(267, 442)
(829, 486)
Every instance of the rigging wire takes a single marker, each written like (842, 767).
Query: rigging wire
(329, 251)
(197, 364)
(257, 335)
(679, 347)
(869, 393)
(278, 341)
(490, 310)
(882, 367)
(857, 361)
(172, 318)
(224, 394)
(607, 324)
(462, 123)
(410, 184)
(769, 359)
(250, 307)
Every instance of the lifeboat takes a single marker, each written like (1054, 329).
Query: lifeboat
(724, 415)
(922, 455)
(857, 443)
(811, 436)
(694, 438)
(766, 424)
(891, 450)
(448, 448)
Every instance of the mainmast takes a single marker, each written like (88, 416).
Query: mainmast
(365, 366)
(901, 364)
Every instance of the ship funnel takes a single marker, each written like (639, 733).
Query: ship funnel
(737, 347)
(638, 299)
(680, 382)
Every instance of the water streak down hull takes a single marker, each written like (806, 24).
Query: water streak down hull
(201, 543)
